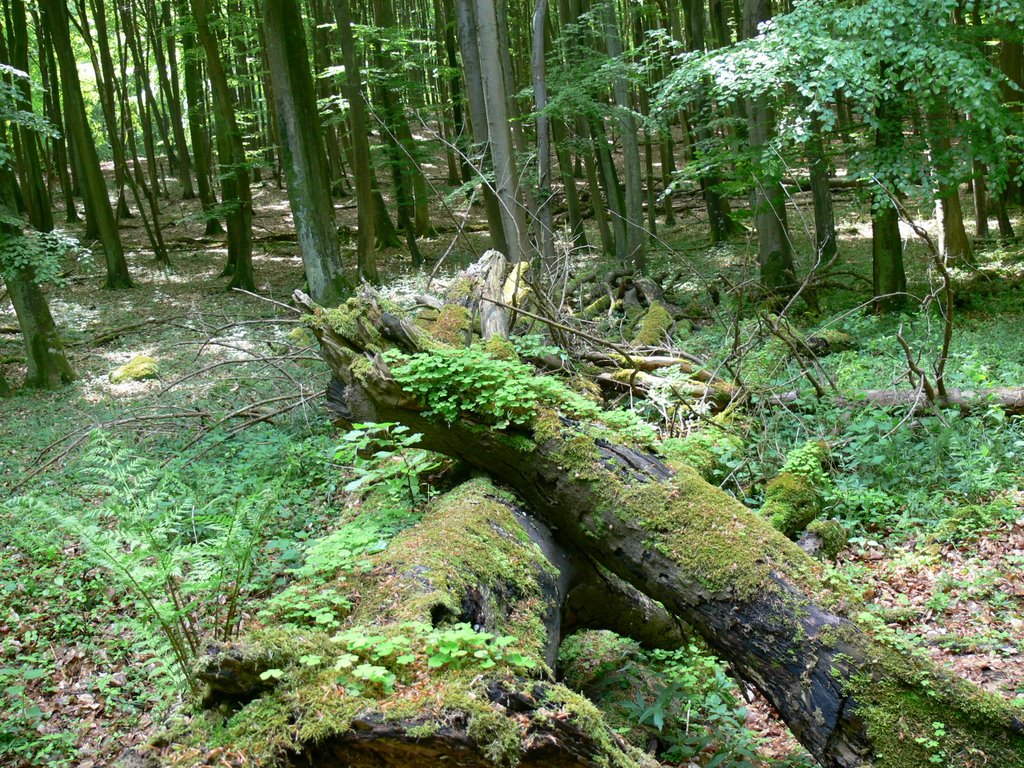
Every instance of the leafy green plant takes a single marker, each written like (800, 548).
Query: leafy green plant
(186, 561)
(469, 381)
(385, 455)
(370, 659)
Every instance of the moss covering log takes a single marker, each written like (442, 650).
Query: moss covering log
(424, 669)
(756, 599)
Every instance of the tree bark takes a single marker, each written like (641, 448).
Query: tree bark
(494, 90)
(48, 367)
(34, 189)
(753, 595)
(775, 254)
(361, 163)
(305, 162)
(235, 191)
(97, 203)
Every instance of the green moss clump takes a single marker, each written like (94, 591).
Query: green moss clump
(500, 348)
(598, 306)
(653, 327)
(139, 368)
(832, 534)
(452, 325)
(709, 451)
(713, 538)
(791, 503)
(302, 336)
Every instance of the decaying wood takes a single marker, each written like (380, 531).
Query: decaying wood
(754, 596)
(506, 574)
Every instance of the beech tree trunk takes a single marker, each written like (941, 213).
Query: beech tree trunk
(48, 367)
(775, 253)
(97, 203)
(361, 163)
(783, 624)
(235, 191)
(305, 161)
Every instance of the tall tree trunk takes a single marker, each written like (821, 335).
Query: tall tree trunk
(889, 279)
(305, 162)
(466, 25)
(775, 255)
(51, 102)
(195, 93)
(33, 188)
(167, 61)
(97, 203)
(495, 90)
(635, 243)
(233, 165)
(720, 221)
(361, 163)
(825, 241)
(540, 97)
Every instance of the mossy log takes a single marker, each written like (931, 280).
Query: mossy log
(476, 561)
(851, 695)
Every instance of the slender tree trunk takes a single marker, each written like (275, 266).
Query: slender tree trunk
(540, 97)
(635, 242)
(33, 188)
(97, 203)
(234, 167)
(888, 276)
(168, 62)
(51, 102)
(361, 163)
(197, 125)
(953, 241)
(494, 89)
(980, 199)
(825, 241)
(775, 255)
(305, 162)
(466, 24)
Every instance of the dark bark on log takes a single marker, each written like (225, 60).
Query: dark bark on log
(754, 596)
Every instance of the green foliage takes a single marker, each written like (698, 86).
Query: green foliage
(385, 456)
(42, 252)
(906, 54)
(186, 545)
(372, 660)
(683, 698)
(469, 382)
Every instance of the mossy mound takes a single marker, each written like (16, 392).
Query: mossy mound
(452, 326)
(831, 534)
(653, 326)
(708, 451)
(791, 503)
(302, 336)
(139, 368)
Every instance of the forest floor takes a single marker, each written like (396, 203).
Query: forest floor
(934, 504)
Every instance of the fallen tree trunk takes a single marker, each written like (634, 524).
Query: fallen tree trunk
(409, 680)
(785, 626)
